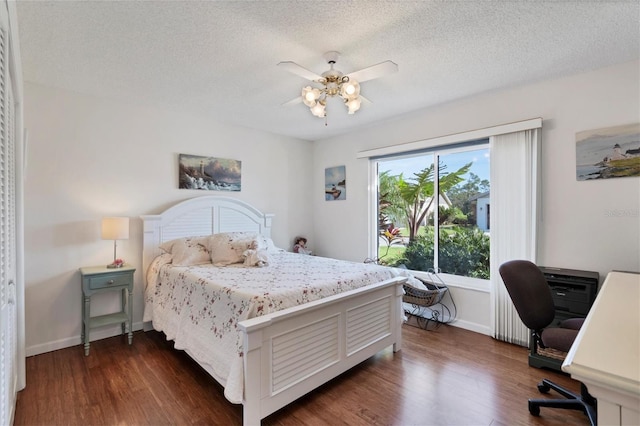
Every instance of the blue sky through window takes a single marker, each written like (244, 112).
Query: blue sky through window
(409, 166)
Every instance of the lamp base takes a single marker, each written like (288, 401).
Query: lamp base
(115, 265)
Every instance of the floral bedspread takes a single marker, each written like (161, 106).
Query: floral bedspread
(199, 307)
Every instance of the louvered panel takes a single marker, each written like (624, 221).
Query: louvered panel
(3, 85)
(360, 322)
(8, 226)
(301, 353)
(230, 221)
(4, 363)
(290, 359)
(4, 146)
(11, 181)
(312, 363)
(368, 331)
(3, 78)
(368, 323)
(12, 331)
(365, 311)
(297, 337)
(199, 222)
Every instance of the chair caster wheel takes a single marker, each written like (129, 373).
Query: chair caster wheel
(542, 388)
(534, 409)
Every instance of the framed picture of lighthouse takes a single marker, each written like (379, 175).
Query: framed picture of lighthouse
(609, 152)
(209, 173)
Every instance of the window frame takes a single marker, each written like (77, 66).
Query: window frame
(408, 147)
(477, 284)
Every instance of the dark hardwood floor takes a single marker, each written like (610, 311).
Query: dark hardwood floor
(446, 376)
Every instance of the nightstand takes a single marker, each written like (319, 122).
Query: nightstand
(100, 279)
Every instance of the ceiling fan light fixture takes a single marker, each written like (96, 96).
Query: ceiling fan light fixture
(350, 89)
(332, 88)
(334, 83)
(353, 104)
(310, 95)
(318, 109)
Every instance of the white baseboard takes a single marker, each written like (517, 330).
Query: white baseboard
(472, 326)
(445, 317)
(147, 326)
(74, 341)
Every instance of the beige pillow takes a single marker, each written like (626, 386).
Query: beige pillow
(258, 258)
(227, 248)
(188, 251)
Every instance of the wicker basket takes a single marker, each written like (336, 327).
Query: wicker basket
(433, 292)
(551, 353)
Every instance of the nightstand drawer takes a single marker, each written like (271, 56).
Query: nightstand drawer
(109, 280)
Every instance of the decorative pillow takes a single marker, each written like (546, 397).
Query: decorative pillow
(188, 251)
(228, 247)
(269, 245)
(258, 258)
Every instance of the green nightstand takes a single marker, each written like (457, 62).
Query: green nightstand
(100, 279)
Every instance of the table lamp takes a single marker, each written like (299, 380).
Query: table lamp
(115, 228)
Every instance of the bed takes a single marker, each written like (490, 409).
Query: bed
(285, 339)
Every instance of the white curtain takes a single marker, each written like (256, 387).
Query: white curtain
(515, 190)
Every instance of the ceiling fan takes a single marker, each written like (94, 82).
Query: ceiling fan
(334, 83)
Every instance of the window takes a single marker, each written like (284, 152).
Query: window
(422, 230)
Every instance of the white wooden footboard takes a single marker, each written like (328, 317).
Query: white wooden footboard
(291, 352)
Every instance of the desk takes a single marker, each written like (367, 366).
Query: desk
(606, 353)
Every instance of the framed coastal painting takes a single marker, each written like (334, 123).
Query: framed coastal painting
(335, 183)
(209, 173)
(610, 152)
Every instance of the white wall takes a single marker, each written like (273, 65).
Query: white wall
(482, 219)
(589, 225)
(89, 157)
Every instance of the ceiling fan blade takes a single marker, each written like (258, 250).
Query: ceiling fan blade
(296, 69)
(294, 101)
(374, 71)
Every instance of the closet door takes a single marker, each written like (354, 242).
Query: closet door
(8, 316)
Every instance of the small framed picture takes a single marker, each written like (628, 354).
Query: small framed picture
(335, 183)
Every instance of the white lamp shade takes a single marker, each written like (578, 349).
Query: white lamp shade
(310, 95)
(318, 110)
(115, 228)
(350, 89)
(353, 105)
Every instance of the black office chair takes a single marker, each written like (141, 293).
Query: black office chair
(532, 298)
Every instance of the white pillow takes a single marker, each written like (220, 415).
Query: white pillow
(270, 246)
(228, 247)
(188, 251)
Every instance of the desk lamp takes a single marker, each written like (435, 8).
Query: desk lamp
(115, 228)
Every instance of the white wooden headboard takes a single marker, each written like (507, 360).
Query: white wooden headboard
(206, 215)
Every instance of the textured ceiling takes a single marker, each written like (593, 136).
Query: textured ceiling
(218, 58)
